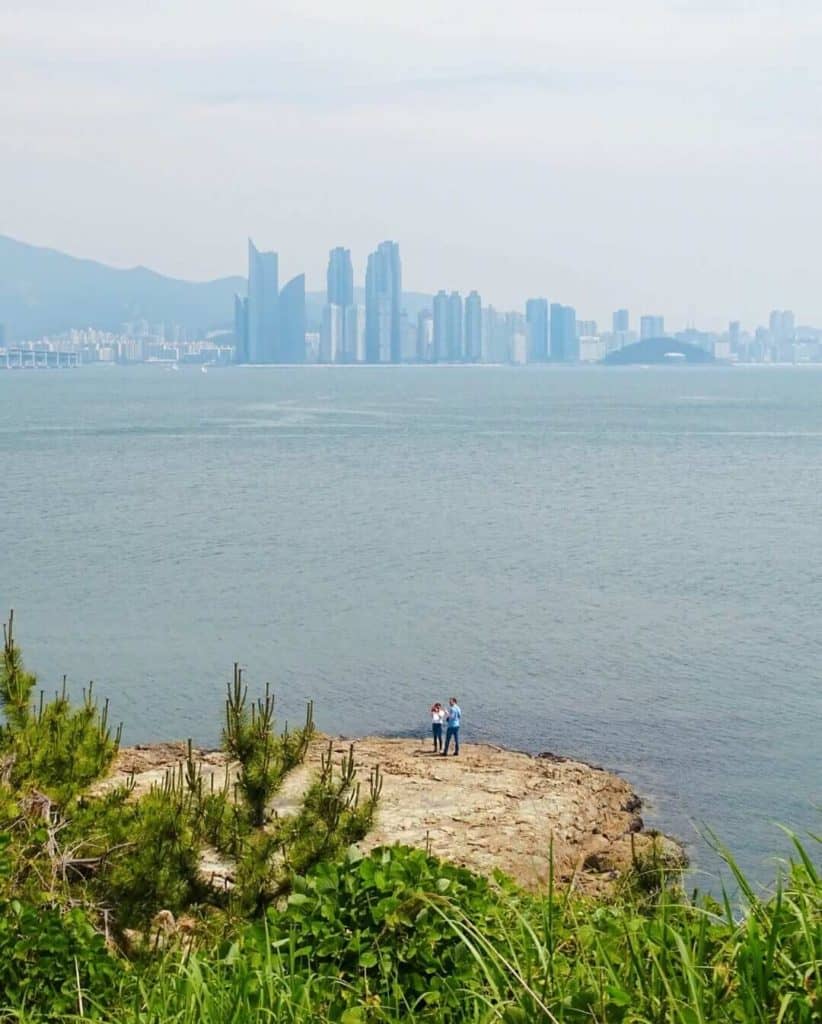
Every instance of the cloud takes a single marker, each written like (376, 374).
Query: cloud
(531, 135)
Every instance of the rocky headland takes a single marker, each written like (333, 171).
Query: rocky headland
(487, 809)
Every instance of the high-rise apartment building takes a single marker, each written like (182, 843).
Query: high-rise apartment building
(473, 328)
(340, 278)
(263, 305)
(383, 304)
(782, 325)
(537, 319)
(651, 327)
(337, 342)
(270, 324)
(620, 321)
(440, 327)
(448, 327)
(564, 344)
(355, 334)
(291, 341)
(455, 337)
(332, 334)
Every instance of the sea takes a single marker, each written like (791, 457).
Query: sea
(621, 565)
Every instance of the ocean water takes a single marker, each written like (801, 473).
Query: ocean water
(620, 565)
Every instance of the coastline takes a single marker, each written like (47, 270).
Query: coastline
(488, 809)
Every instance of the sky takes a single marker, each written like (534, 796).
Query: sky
(665, 156)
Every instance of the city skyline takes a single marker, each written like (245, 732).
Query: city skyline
(374, 324)
(660, 155)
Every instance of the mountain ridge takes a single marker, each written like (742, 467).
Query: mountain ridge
(46, 291)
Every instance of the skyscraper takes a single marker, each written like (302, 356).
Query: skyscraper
(355, 334)
(651, 327)
(383, 304)
(263, 302)
(455, 342)
(569, 331)
(621, 321)
(340, 278)
(536, 317)
(782, 325)
(291, 347)
(332, 334)
(494, 336)
(441, 319)
(564, 344)
(473, 328)
(337, 342)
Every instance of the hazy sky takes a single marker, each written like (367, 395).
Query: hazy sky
(665, 155)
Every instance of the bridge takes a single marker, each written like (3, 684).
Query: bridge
(37, 359)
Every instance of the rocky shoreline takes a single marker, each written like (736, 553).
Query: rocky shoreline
(487, 809)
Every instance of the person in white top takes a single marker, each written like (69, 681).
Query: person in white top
(438, 717)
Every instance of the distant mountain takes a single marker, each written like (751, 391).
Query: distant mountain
(43, 291)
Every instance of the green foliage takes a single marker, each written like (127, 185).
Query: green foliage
(52, 964)
(315, 932)
(16, 685)
(331, 818)
(265, 759)
(159, 866)
(385, 923)
(55, 748)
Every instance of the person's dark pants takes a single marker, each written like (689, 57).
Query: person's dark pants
(436, 729)
(453, 732)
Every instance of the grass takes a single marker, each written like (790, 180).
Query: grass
(316, 933)
(413, 939)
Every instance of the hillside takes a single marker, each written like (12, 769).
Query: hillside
(43, 291)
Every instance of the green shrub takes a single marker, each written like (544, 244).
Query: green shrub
(55, 748)
(52, 963)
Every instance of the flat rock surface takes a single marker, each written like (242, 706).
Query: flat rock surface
(488, 808)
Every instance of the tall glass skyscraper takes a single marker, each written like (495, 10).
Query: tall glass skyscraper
(473, 328)
(383, 304)
(440, 341)
(455, 341)
(621, 321)
(291, 347)
(564, 343)
(340, 278)
(263, 302)
(536, 317)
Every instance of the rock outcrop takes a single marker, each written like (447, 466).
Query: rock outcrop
(488, 808)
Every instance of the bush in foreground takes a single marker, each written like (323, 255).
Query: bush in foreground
(398, 936)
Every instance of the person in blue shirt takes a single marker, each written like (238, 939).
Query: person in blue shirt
(452, 731)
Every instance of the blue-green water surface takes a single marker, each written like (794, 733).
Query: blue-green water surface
(620, 565)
